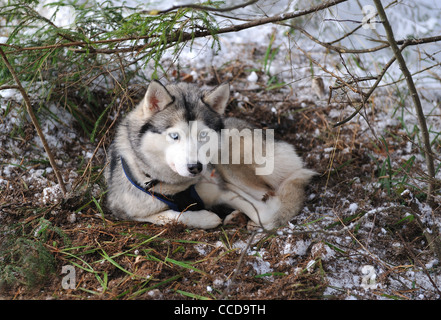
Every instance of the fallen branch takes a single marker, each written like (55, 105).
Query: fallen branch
(35, 122)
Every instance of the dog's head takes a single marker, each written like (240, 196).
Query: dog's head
(181, 125)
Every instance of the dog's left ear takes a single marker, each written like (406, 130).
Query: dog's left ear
(218, 98)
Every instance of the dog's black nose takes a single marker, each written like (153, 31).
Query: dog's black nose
(195, 168)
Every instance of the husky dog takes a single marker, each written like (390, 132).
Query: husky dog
(157, 174)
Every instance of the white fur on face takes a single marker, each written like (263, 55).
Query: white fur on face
(176, 150)
(183, 144)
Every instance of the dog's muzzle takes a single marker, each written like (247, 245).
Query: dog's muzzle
(195, 168)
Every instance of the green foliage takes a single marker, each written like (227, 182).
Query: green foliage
(24, 255)
(392, 177)
(106, 47)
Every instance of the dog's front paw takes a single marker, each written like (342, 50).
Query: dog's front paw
(200, 219)
(254, 226)
(212, 221)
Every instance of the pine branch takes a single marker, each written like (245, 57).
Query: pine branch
(186, 36)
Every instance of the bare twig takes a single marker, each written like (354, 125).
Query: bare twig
(368, 94)
(340, 79)
(5, 87)
(433, 239)
(414, 94)
(423, 267)
(35, 122)
(238, 266)
(201, 7)
(333, 47)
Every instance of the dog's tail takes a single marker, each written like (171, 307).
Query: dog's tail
(291, 194)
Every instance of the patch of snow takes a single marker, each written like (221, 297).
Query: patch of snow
(353, 207)
(261, 266)
(252, 77)
(52, 194)
(202, 249)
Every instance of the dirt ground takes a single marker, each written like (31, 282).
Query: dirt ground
(351, 221)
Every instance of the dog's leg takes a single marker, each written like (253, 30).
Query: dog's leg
(194, 219)
(260, 212)
(291, 194)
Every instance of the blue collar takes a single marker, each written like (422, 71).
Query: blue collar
(187, 200)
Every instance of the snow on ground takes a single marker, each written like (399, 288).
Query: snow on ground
(366, 269)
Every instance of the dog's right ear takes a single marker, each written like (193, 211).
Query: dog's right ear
(156, 98)
(218, 98)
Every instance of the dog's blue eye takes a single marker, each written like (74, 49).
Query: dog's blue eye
(203, 134)
(174, 135)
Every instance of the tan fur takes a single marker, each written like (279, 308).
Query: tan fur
(268, 200)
